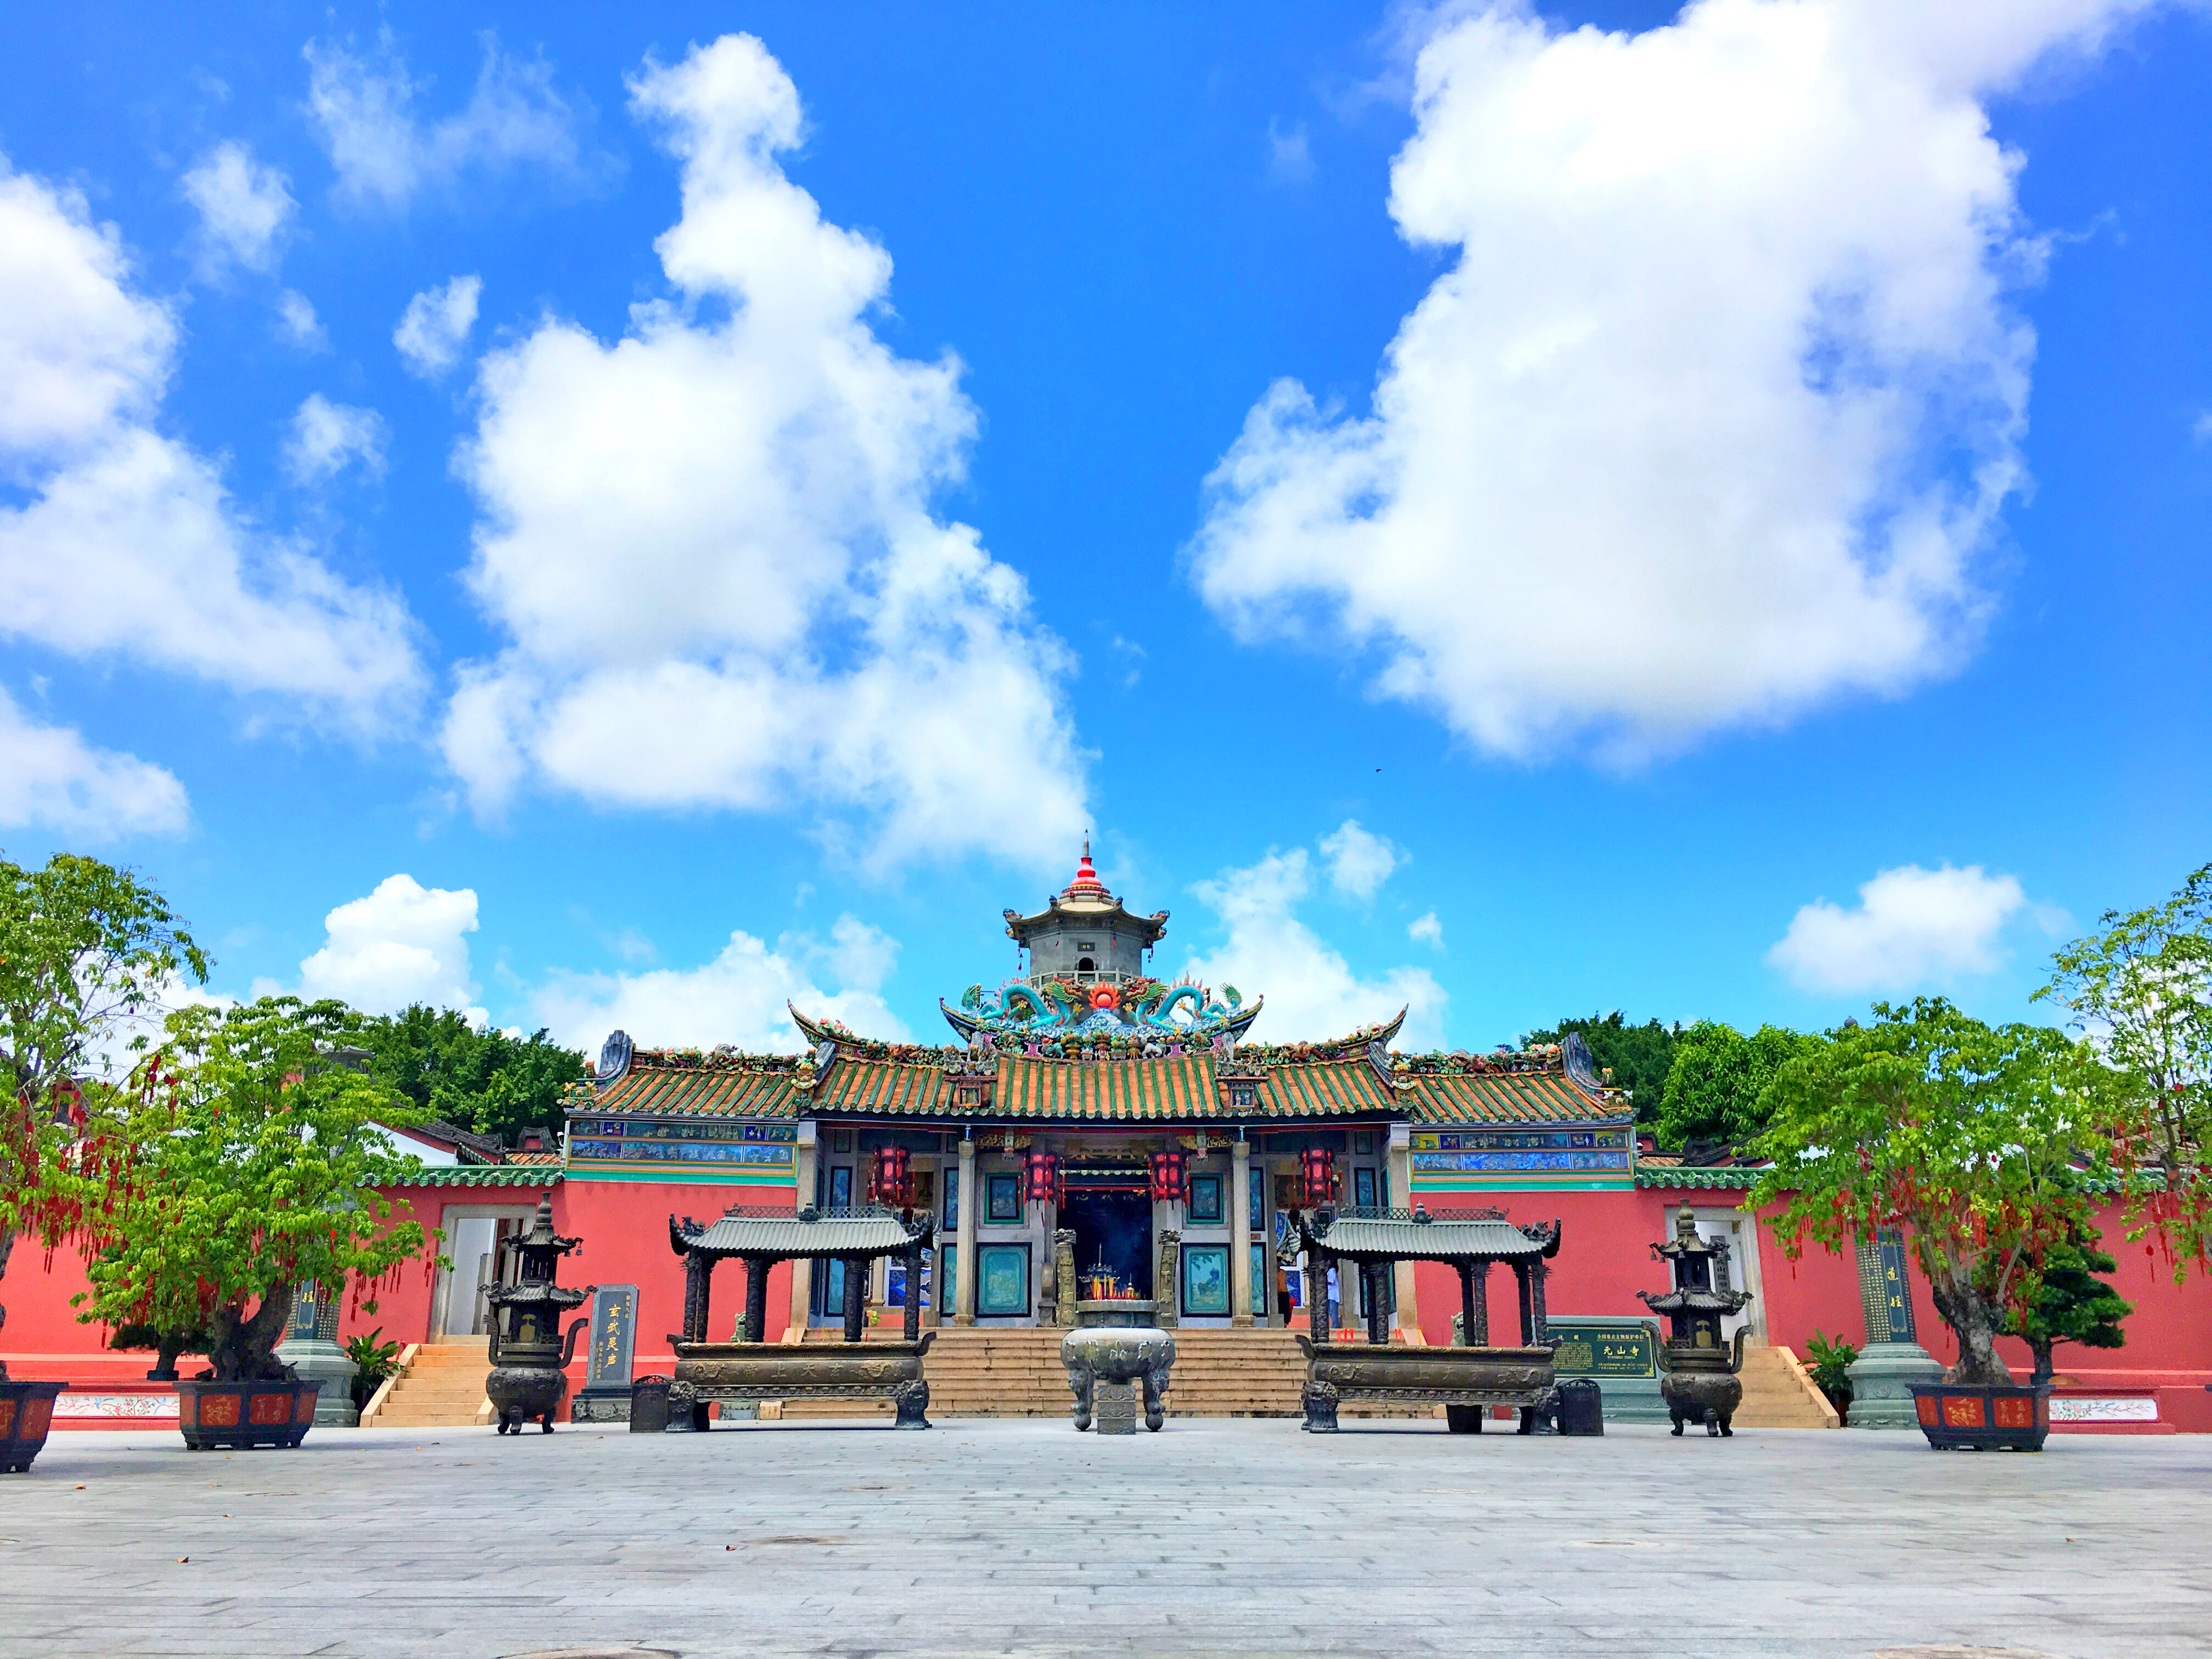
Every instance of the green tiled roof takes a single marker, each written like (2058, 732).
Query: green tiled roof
(699, 1091)
(486, 1174)
(1506, 1098)
(1693, 1177)
(1327, 1088)
(1107, 1090)
(881, 1085)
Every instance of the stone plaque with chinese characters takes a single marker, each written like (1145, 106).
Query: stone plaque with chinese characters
(614, 1335)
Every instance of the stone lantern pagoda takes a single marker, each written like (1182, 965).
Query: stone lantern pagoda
(528, 1377)
(1699, 1379)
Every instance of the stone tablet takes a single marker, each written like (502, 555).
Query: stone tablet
(605, 1397)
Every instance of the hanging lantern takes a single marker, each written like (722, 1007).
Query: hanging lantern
(894, 1183)
(1171, 1177)
(1317, 1177)
(1043, 1169)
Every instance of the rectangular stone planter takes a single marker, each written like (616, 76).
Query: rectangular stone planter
(239, 1414)
(26, 1412)
(1964, 1417)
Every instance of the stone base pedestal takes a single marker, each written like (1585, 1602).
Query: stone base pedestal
(313, 1360)
(1881, 1380)
(1114, 1408)
(601, 1403)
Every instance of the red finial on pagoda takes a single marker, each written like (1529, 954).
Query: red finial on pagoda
(1086, 879)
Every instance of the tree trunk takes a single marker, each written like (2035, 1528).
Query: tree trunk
(244, 1350)
(1976, 1319)
(2040, 1346)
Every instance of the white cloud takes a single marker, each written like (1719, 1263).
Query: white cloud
(1359, 861)
(2201, 429)
(1427, 930)
(1312, 993)
(126, 543)
(296, 322)
(1718, 401)
(363, 109)
(738, 997)
(403, 942)
(244, 207)
(1289, 158)
(1912, 928)
(711, 541)
(326, 437)
(435, 324)
(51, 777)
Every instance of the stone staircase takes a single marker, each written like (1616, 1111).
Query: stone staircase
(442, 1386)
(1777, 1394)
(990, 1372)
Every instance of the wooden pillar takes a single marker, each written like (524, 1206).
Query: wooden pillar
(1539, 1326)
(1317, 1295)
(914, 1294)
(1373, 1276)
(1527, 1309)
(856, 1291)
(1240, 1233)
(1466, 1335)
(697, 1265)
(756, 1268)
(963, 1257)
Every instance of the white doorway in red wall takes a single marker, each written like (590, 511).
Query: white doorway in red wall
(477, 1240)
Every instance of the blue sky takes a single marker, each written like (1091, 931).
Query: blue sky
(1727, 534)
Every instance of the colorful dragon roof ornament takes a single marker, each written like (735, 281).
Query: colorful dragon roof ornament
(1129, 1012)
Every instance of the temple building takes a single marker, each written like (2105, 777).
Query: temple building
(1085, 1068)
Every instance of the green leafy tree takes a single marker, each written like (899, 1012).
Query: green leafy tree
(2142, 989)
(2070, 1303)
(483, 1080)
(244, 1160)
(1638, 1056)
(1716, 1086)
(84, 949)
(1963, 1137)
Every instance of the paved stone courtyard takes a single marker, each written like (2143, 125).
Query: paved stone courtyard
(1024, 1538)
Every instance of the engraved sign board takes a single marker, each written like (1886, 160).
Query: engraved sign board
(1886, 1288)
(1587, 1348)
(614, 1335)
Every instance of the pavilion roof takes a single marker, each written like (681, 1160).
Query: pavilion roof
(863, 1233)
(1509, 1097)
(1415, 1237)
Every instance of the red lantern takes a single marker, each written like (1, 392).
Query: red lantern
(894, 1184)
(1317, 1177)
(1171, 1177)
(1043, 1169)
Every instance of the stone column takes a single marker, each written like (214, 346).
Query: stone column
(802, 1271)
(1479, 1327)
(1466, 1306)
(1063, 1276)
(1373, 1276)
(1893, 1359)
(1167, 1281)
(1240, 1233)
(695, 1266)
(756, 1298)
(311, 1348)
(1407, 1315)
(964, 1284)
(1539, 1326)
(1317, 1265)
(856, 1296)
(1528, 1311)
(913, 1309)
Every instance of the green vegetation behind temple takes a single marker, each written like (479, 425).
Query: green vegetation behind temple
(1696, 1085)
(487, 1080)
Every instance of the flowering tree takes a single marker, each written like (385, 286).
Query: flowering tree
(1965, 1138)
(2142, 990)
(246, 1159)
(84, 949)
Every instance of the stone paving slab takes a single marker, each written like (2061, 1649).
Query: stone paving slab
(1021, 1538)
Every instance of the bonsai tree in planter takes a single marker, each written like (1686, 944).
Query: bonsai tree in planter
(246, 1160)
(2070, 1304)
(1964, 1137)
(86, 950)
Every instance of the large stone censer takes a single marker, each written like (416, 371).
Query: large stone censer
(1698, 1374)
(529, 1374)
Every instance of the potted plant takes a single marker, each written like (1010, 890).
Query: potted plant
(85, 949)
(373, 1361)
(1831, 1371)
(1967, 1140)
(246, 1160)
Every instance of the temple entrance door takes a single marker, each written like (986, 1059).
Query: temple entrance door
(1741, 1232)
(477, 1241)
(1113, 1229)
